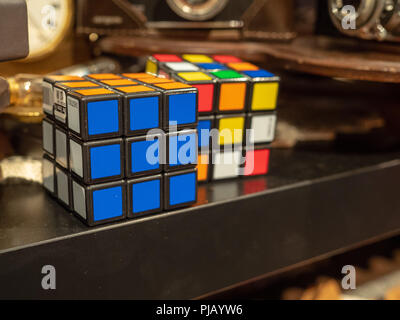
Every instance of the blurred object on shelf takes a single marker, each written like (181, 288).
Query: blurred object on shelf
(24, 139)
(315, 45)
(393, 294)
(6, 150)
(323, 289)
(25, 90)
(305, 16)
(204, 19)
(13, 30)
(320, 278)
(384, 287)
(367, 19)
(18, 168)
(320, 55)
(49, 22)
(98, 65)
(316, 109)
(378, 279)
(4, 94)
(52, 40)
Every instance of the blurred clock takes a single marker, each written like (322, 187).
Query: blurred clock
(49, 22)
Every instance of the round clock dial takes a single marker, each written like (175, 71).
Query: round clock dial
(48, 22)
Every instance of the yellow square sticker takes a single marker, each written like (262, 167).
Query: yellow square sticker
(151, 67)
(265, 96)
(194, 76)
(197, 58)
(231, 130)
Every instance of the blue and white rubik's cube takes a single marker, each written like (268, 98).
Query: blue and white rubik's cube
(105, 157)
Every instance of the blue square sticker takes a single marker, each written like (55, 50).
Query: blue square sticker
(105, 161)
(145, 155)
(182, 188)
(103, 117)
(182, 149)
(212, 66)
(144, 113)
(203, 129)
(146, 196)
(107, 203)
(182, 108)
(259, 74)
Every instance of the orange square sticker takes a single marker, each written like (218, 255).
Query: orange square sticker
(156, 80)
(140, 75)
(65, 78)
(103, 76)
(173, 85)
(232, 96)
(134, 89)
(80, 84)
(202, 167)
(243, 66)
(119, 82)
(94, 92)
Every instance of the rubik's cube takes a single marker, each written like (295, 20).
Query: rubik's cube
(235, 98)
(119, 146)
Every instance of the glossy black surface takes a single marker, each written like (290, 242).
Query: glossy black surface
(29, 215)
(314, 202)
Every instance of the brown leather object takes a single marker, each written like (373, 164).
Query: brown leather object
(4, 94)
(339, 57)
(320, 55)
(14, 42)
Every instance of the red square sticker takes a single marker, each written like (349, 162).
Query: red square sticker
(206, 96)
(256, 162)
(226, 59)
(167, 58)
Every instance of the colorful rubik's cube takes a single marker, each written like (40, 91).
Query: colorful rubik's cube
(105, 156)
(235, 97)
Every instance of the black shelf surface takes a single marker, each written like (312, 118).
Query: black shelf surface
(312, 204)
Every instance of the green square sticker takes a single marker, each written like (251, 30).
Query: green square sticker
(227, 74)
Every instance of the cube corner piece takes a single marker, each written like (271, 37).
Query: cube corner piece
(100, 203)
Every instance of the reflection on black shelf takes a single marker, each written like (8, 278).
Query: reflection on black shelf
(29, 215)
